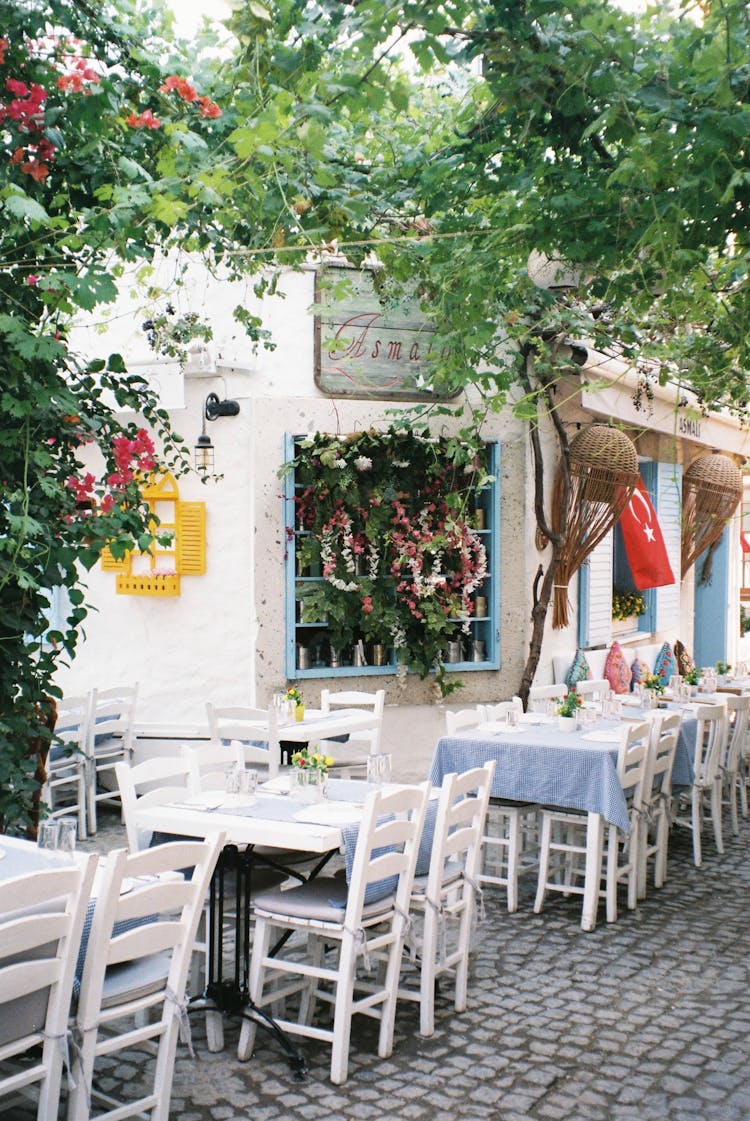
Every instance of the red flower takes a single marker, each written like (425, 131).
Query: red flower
(144, 120)
(4, 44)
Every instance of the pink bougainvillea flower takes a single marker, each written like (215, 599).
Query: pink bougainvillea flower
(146, 119)
(32, 280)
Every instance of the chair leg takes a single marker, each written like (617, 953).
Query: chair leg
(342, 1016)
(462, 965)
(214, 1030)
(315, 955)
(733, 810)
(662, 843)
(697, 821)
(611, 876)
(427, 973)
(514, 856)
(261, 941)
(716, 815)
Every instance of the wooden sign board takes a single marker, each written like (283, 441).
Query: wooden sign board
(365, 347)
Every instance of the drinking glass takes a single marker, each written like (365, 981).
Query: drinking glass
(379, 768)
(511, 718)
(248, 781)
(67, 831)
(47, 834)
(232, 779)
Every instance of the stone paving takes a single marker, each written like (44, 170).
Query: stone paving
(644, 1020)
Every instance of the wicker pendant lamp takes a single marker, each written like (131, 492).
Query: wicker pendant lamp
(711, 492)
(603, 476)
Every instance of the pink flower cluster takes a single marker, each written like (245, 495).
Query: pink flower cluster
(26, 111)
(189, 93)
(131, 456)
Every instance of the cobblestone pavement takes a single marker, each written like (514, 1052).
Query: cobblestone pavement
(644, 1020)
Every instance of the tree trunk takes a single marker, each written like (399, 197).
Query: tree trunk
(542, 599)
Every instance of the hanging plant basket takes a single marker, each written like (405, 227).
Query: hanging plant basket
(711, 492)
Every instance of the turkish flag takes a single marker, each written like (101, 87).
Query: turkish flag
(644, 543)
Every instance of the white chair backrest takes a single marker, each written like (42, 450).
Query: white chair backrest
(154, 782)
(665, 732)
(73, 723)
(710, 735)
(738, 714)
(632, 760)
(387, 848)
(355, 698)
(254, 728)
(208, 763)
(460, 826)
(135, 974)
(596, 691)
(114, 713)
(539, 695)
(41, 919)
(499, 710)
(463, 718)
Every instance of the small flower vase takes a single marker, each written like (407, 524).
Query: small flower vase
(299, 712)
(310, 784)
(567, 723)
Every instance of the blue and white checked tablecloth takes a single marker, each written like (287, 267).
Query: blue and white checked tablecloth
(541, 764)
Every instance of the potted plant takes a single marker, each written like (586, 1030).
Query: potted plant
(310, 772)
(567, 710)
(294, 697)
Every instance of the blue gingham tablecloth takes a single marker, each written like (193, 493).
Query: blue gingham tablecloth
(542, 764)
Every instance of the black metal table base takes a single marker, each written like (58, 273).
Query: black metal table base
(238, 872)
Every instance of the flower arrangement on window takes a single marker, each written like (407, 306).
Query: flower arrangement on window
(627, 604)
(570, 704)
(387, 517)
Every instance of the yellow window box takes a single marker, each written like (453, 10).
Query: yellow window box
(149, 584)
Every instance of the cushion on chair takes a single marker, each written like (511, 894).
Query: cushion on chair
(579, 670)
(685, 663)
(616, 669)
(131, 980)
(639, 670)
(323, 898)
(665, 664)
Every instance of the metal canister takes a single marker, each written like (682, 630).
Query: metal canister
(303, 657)
(478, 651)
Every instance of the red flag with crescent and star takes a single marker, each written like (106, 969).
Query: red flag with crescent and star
(644, 543)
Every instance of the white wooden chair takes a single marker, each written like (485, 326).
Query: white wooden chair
(352, 922)
(133, 987)
(352, 755)
(541, 695)
(657, 799)
(444, 900)
(593, 692)
(65, 789)
(690, 806)
(455, 722)
(620, 854)
(738, 714)
(254, 728)
(110, 742)
(207, 764)
(155, 782)
(499, 710)
(38, 951)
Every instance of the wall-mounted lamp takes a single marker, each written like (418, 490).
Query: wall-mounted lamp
(213, 408)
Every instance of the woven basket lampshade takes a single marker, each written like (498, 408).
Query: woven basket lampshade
(711, 492)
(603, 476)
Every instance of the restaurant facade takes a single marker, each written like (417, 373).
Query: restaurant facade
(221, 614)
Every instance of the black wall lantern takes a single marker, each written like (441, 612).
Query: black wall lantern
(213, 408)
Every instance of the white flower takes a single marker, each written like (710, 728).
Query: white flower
(363, 463)
(340, 463)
